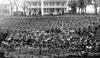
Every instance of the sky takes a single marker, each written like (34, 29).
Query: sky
(7, 2)
(89, 8)
(4, 1)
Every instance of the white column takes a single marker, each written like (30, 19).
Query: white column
(42, 9)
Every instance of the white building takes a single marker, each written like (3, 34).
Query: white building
(5, 9)
(46, 7)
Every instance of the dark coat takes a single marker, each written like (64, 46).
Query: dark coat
(1, 38)
(2, 55)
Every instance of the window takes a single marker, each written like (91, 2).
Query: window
(34, 3)
(39, 3)
(4, 6)
(30, 3)
(45, 10)
(63, 3)
(5, 12)
(58, 3)
(51, 10)
(57, 10)
(52, 3)
(45, 3)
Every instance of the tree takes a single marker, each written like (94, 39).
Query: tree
(95, 5)
(24, 6)
(12, 6)
(99, 5)
(82, 5)
(89, 1)
(73, 5)
(17, 4)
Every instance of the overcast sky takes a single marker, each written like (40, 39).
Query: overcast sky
(89, 8)
(4, 1)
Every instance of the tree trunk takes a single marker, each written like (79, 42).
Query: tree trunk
(24, 12)
(82, 10)
(96, 10)
(99, 9)
(85, 10)
(24, 4)
(95, 6)
(79, 11)
(16, 8)
(11, 10)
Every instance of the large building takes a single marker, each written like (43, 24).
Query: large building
(47, 7)
(5, 9)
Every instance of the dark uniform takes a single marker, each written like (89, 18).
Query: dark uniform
(1, 38)
(97, 34)
(2, 55)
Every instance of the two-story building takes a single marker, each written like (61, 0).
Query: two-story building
(5, 9)
(47, 7)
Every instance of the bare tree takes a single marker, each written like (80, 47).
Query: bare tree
(12, 6)
(17, 4)
(82, 5)
(89, 1)
(95, 5)
(73, 5)
(24, 6)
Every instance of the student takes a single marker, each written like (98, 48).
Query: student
(97, 33)
(1, 38)
(1, 54)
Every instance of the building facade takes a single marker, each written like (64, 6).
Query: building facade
(5, 9)
(47, 7)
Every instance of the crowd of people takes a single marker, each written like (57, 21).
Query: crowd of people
(53, 41)
(34, 23)
(51, 36)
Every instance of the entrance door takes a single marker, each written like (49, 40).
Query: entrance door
(62, 11)
(39, 12)
(51, 11)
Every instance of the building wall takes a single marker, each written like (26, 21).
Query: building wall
(5, 9)
(49, 6)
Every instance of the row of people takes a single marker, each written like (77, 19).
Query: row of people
(51, 38)
(47, 22)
